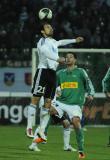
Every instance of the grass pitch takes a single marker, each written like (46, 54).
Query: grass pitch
(14, 145)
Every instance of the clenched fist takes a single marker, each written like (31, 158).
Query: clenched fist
(61, 60)
(79, 39)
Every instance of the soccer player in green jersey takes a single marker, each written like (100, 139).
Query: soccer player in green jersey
(106, 84)
(106, 90)
(74, 83)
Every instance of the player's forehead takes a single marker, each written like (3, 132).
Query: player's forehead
(71, 55)
(47, 26)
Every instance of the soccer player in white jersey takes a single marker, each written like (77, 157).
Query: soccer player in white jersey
(45, 77)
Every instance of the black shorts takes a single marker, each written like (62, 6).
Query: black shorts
(44, 83)
(56, 119)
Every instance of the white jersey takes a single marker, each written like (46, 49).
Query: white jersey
(48, 52)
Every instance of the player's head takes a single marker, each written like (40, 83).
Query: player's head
(71, 58)
(46, 29)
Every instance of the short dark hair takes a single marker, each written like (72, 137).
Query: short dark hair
(42, 24)
(74, 54)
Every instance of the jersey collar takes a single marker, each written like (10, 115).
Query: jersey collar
(70, 71)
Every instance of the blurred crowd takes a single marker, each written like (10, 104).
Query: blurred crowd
(19, 24)
(19, 27)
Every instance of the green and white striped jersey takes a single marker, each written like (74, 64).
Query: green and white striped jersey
(74, 84)
(106, 82)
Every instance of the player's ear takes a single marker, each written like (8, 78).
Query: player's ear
(42, 31)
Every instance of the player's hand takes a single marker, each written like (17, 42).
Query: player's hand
(90, 98)
(61, 60)
(52, 110)
(79, 39)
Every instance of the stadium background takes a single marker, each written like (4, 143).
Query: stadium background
(19, 26)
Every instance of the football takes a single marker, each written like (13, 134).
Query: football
(45, 13)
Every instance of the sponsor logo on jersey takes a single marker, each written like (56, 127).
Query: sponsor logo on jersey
(9, 79)
(69, 85)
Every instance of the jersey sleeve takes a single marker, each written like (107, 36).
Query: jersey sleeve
(106, 82)
(88, 83)
(65, 42)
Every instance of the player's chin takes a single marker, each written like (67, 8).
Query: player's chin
(51, 33)
(68, 63)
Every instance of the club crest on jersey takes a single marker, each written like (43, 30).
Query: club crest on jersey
(9, 79)
(28, 78)
(69, 85)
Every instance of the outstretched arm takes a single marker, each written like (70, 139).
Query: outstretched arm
(69, 41)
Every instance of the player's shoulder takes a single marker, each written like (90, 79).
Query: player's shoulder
(61, 71)
(80, 69)
(52, 40)
(41, 42)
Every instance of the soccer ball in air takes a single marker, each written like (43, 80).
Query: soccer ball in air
(45, 13)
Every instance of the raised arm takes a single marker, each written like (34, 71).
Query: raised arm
(69, 41)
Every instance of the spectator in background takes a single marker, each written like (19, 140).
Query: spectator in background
(23, 18)
(87, 18)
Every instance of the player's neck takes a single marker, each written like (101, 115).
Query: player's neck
(45, 36)
(70, 67)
